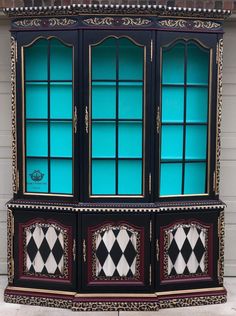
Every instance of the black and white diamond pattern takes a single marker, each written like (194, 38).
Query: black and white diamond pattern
(44, 249)
(116, 253)
(186, 250)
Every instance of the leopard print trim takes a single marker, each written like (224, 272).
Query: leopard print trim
(39, 301)
(193, 301)
(115, 306)
(81, 306)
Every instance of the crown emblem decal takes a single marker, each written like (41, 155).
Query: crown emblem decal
(36, 175)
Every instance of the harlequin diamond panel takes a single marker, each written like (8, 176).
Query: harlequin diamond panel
(116, 252)
(44, 249)
(187, 253)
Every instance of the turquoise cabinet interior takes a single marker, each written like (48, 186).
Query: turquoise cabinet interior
(48, 74)
(185, 69)
(117, 101)
(117, 127)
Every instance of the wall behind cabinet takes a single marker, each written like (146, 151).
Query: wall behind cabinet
(228, 158)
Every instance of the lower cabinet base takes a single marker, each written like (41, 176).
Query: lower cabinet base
(115, 302)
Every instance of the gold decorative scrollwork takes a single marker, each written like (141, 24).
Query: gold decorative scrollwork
(173, 23)
(61, 22)
(198, 24)
(219, 58)
(28, 23)
(135, 21)
(10, 236)
(13, 112)
(44, 22)
(99, 21)
(221, 234)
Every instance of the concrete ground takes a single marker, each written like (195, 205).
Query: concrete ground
(215, 310)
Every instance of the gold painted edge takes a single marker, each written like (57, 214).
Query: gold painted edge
(213, 289)
(98, 295)
(135, 295)
(23, 289)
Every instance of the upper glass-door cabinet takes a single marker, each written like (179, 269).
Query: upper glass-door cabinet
(116, 112)
(47, 116)
(185, 116)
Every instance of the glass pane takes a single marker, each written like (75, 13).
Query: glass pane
(196, 142)
(130, 100)
(103, 177)
(197, 65)
(103, 139)
(172, 142)
(61, 100)
(171, 179)
(36, 138)
(130, 177)
(130, 139)
(61, 139)
(104, 60)
(61, 58)
(130, 60)
(61, 176)
(197, 105)
(36, 100)
(36, 175)
(103, 100)
(172, 104)
(195, 178)
(36, 61)
(173, 64)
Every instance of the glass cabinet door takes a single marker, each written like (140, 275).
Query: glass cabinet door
(117, 109)
(185, 122)
(47, 71)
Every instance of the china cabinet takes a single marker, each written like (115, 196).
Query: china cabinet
(116, 114)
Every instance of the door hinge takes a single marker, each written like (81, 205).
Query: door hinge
(74, 250)
(84, 250)
(150, 227)
(86, 120)
(17, 180)
(150, 274)
(158, 120)
(150, 183)
(151, 51)
(217, 53)
(157, 249)
(214, 181)
(75, 119)
(16, 52)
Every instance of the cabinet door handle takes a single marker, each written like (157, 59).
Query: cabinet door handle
(84, 250)
(157, 249)
(74, 250)
(158, 120)
(86, 120)
(75, 119)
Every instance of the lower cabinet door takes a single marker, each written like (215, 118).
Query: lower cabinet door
(44, 250)
(186, 250)
(116, 253)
